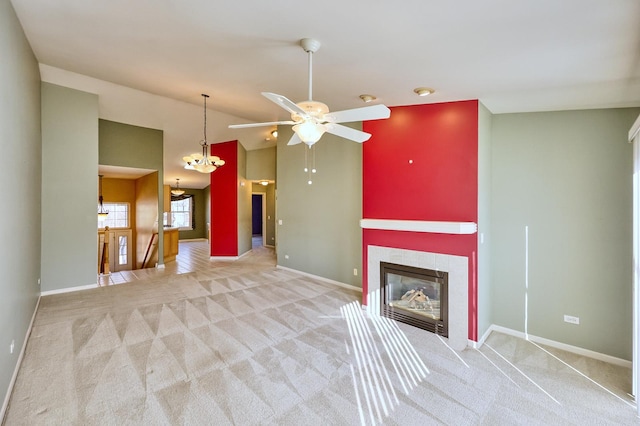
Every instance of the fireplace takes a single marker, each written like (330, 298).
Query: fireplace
(457, 269)
(415, 296)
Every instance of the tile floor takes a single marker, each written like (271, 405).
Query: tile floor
(192, 256)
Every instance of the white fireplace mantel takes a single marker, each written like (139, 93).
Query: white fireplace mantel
(420, 226)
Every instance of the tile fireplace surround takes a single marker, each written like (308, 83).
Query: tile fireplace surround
(456, 266)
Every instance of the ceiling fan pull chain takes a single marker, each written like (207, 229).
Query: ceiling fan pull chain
(313, 158)
(306, 161)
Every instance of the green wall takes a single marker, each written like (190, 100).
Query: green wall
(199, 212)
(125, 145)
(320, 229)
(484, 220)
(20, 169)
(207, 206)
(567, 177)
(130, 146)
(69, 187)
(261, 164)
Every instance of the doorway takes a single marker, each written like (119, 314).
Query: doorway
(258, 211)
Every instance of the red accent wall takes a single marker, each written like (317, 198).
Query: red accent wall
(224, 201)
(422, 164)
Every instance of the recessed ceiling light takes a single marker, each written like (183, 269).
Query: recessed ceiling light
(367, 98)
(423, 91)
(274, 133)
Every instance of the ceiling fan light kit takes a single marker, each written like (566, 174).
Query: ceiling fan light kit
(203, 163)
(309, 132)
(367, 98)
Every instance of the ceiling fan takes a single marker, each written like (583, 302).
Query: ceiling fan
(311, 119)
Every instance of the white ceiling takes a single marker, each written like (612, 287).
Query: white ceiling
(515, 56)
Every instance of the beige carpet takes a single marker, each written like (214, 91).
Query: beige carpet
(246, 343)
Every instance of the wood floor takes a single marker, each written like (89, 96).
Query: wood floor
(193, 255)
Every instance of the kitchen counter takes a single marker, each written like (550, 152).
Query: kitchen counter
(171, 238)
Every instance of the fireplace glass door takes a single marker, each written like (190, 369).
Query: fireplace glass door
(415, 296)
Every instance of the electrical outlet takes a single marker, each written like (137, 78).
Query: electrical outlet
(355, 272)
(571, 320)
(286, 256)
(280, 222)
(38, 282)
(13, 344)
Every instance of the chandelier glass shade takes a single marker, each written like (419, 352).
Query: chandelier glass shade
(203, 162)
(102, 212)
(177, 190)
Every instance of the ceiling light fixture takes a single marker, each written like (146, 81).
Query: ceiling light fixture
(367, 98)
(274, 133)
(264, 182)
(204, 163)
(309, 131)
(423, 91)
(177, 191)
(102, 213)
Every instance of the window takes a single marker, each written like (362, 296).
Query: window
(182, 214)
(118, 216)
(123, 247)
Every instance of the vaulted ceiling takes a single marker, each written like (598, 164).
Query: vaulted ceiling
(514, 56)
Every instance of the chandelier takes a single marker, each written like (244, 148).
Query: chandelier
(204, 163)
(102, 212)
(177, 190)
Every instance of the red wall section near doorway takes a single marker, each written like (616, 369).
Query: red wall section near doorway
(224, 201)
(422, 164)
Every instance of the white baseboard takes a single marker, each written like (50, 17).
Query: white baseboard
(7, 397)
(69, 289)
(317, 277)
(558, 345)
(229, 258)
(480, 342)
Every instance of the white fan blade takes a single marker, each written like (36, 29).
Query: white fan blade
(285, 103)
(295, 139)
(373, 112)
(347, 132)
(270, 123)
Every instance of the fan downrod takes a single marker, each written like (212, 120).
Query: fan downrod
(310, 45)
